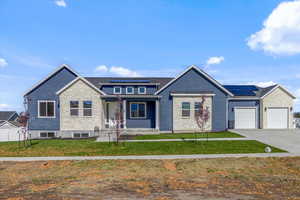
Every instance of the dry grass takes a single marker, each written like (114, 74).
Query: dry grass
(218, 179)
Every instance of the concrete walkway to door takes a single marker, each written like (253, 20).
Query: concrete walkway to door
(288, 140)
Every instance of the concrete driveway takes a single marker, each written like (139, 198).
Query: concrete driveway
(288, 140)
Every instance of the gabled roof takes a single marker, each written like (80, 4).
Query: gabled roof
(85, 81)
(253, 91)
(216, 83)
(13, 123)
(100, 81)
(49, 76)
(7, 115)
(274, 88)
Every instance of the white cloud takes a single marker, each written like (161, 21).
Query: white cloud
(117, 70)
(215, 60)
(3, 62)
(262, 84)
(280, 34)
(61, 3)
(4, 106)
(122, 71)
(101, 68)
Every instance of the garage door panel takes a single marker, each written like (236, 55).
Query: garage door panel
(245, 118)
(277, 118)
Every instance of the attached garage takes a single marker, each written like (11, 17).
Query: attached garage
(277, 109)
(277, 118)
(245, 118)
(9, 132)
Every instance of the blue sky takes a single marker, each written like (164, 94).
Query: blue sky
(148, 38)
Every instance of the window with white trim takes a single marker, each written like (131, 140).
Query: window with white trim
(138, 110)
(142, 90)
(129, 90)
(81, 135)
(117, 90)
(47, 134)
(185, 109)
(87, 108)
(46, 109)
(74, 108)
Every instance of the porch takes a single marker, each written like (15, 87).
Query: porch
(136, 115)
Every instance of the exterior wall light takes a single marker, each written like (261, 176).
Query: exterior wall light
(291, 109)
(265, 109)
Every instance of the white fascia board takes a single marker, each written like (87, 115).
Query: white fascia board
(244, 98)
(77, 79)
(12, 115)
(51, 74)
(201, 72)
(191, 95)
(7, 122)
(279, 86)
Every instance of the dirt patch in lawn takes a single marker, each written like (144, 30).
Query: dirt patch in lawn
(212, 179)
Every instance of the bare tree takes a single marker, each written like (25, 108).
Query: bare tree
(119, 119)
(202, 115)
(23, 133)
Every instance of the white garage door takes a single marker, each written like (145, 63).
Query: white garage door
(10, 134)
(277, 118)
(245, 118)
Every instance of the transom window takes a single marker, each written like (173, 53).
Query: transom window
(46, 109)
(185, 109)
(138, 110)
(142, 90)
(87, 108)
(129, 90)
(74, 108)
(117, 90)
(47, 134)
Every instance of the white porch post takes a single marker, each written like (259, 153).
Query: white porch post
(157, 114)
(124, 113)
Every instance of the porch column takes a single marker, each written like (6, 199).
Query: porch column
(157, 114)
(124, 113)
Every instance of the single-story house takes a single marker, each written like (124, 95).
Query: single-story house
(9, 126)
(66, 104)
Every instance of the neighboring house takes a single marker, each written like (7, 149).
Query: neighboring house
(65, 104)
(9, 126)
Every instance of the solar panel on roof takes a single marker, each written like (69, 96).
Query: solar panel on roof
(130, 81)
(242, 90)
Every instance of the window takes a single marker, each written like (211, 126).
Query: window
(74, 108)
(129, 90)
(137, 110)
(46, 109)
(87, 108)
(117, 90)
(185, 109)
(142, 90)
(47, 134)
(81, 135)
(197, 108)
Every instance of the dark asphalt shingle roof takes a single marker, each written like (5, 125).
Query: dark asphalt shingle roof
(5, 115)
(248, 90)
(98, 81)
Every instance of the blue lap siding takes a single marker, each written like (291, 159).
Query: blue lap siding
(148, 122)
(47, 91)
(193, 81)
(241, 103)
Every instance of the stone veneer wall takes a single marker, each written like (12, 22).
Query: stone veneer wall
(188, 123)
(278, 98)
(80, 91)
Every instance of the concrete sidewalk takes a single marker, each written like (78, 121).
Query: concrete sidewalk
(190, 139)
(150, 157)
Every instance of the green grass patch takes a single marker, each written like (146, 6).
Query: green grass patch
(91, 148)
(225, 134)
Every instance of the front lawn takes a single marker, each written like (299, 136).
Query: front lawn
(91, 148)
(225, 134)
